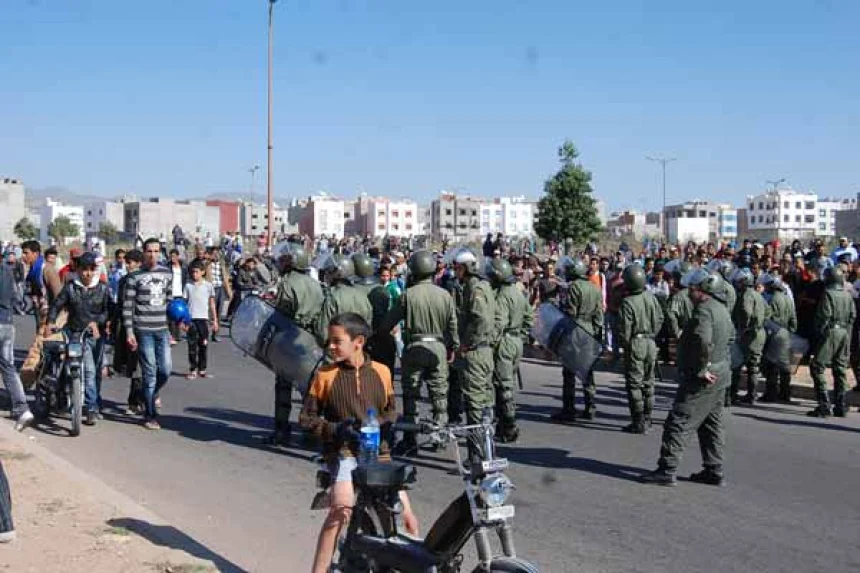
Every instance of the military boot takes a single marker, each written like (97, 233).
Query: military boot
(280, 437)
(771, 392)
(823, 408)
(733, 398)
(840, 408)
(646, 413)
(659, 476)
(709, 477)
(508, 432)
(637, 425)
(590, 410)
(752, 379)
(567, 413)
(785, 387)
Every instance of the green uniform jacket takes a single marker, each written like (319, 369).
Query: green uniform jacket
(834, 319)
(378, 297)
(782, 311)
(478, 312)
(704, 343)
(300, 298)
(730, 295)
(679, 312)
(585, 305)
(513, 313)
(749, 315)
(642, 315)
(428, 310)
(342, 298)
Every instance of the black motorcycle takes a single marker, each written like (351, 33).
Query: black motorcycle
(61, 385)
(373, 544)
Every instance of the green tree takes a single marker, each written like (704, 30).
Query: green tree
(108, 232)
(26, 230)
(62, 228)
(567, 210)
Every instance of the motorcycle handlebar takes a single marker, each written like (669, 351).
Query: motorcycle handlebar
(413, 428)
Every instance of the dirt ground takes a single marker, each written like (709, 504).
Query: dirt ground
(62, 527)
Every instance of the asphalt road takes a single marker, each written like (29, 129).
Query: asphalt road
(791, 504)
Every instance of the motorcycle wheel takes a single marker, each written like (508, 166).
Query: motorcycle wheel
(509, 565)
(347, 563)
(77, 404)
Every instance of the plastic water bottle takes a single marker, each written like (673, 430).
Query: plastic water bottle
(369, 450)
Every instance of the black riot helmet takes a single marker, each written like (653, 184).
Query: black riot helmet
(634, 278)
(422, 264)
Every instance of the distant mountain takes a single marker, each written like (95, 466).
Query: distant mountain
(36, 197)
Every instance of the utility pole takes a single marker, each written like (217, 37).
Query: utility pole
(663, 161)
(270, 199)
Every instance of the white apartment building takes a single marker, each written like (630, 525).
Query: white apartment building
(689, 222)
(784, 214)
(517, 217)
(322, 214)
(491, 217)
(827, 209)
(254, 219)
(157, 216)
(12, 207)
(51, 210)
(98, 212)
(392, 218)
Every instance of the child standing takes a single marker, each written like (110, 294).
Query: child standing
(200, 295)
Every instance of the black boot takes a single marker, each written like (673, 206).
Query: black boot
(771, 390)
(840, 409)
(567, 413)
(752, 380)
(823, 408)
(785, 387)
(635, 427)
(659, 477)
(709, 477)
(590, 410)
(280, 437)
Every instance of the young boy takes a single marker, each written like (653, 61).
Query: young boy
(200, 295)
(86, 299)
(336, 403)
(125, 360)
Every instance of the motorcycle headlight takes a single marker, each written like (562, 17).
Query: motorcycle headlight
(74, 350)
(495, 490)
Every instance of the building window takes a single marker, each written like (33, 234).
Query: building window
(462, 212)
(513, 214)
(752, 206)
(395, 226)
(381, 227)
(809, 218)
(797, 218)
(89, 213)
(810, 205)
(408, 226)
(408, 214)
(786, 219)
(822, 226)
(395, 213)
(785, 204)
(752, 220)
(797, 205)
(380, 213)
(760, 206)
(760, 218)
(100, 212)
(822, 212)
(474, 212)
(448, 212)
(712, 214)
(89, 225)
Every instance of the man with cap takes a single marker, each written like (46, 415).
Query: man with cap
(513, 322)
(834, 320)
(783, 315)
(299, 298)
(67, 272)
(749, 315)
(584, 303)
(704, 369)
(429, 335)
(640, 320)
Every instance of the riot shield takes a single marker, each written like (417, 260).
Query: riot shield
(564, 337)
(275, 341)
(784, 349)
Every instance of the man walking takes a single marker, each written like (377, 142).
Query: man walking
(704, 370)
(145, 319)
(8, 304)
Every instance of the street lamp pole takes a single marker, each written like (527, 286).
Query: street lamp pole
(663, 161)
(776, 183)
(270, 200)
(253, 170)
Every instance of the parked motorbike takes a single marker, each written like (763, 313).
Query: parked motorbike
(373, 544)
(61, 386)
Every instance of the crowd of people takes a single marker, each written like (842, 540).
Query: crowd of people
(457, 320)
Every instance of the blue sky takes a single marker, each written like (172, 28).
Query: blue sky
(405, 98)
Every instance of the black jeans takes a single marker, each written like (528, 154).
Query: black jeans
(5, 503)
(198, 344)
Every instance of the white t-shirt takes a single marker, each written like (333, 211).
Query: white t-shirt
(198, 296)
(177, 282)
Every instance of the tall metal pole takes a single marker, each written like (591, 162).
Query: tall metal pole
(663, 161)
(269, 189)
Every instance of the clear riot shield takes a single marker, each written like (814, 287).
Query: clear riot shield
(784, 349)
(562, 335)
(275, 341)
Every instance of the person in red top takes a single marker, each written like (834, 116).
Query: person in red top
(336, 403)
(68, 272)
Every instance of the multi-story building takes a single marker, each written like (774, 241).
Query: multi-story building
(12, 207)
(98, 212)
(254, 219)
(423, 220)
(517, 217)
(827, 211)
(688, 222)
(51, 210)
(783, 214)
(727, 222)
(228, 215)
(321, 214)
(639, 225)
(156, 217)
(455, 217)
(392, 218)
(492, 218)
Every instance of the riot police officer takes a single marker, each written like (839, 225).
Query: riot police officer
(680, 305)
(513, 323)
(749, 315)
(704, 370)
(834, 320)
(640, 320)
(726, 271)
(299, 298)
(783, 316)
(381, 346)
(430, 335)
(342, 296)
(584, 304)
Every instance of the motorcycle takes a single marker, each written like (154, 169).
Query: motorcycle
(373, 544)
(61, 386)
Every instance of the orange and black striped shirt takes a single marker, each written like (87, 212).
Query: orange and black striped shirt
(339, 392)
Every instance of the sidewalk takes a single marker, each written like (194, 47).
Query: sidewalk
(67, 520)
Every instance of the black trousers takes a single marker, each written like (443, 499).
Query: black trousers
(198, 344)
(5, 503)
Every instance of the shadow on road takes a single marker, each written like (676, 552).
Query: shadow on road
(799, 423)
(557, 459)
(168, 536)
(233, 416)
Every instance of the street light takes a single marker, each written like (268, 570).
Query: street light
(776, 183)
(663, 161)
(253, 171)
(270, 201)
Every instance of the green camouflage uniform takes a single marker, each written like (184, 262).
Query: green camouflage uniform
(513, 323)
(478, 312)
(749, 315)
(640, 320)
(585, 304)
(834, 320)
(342, 298)
(679, 312)
(782, 312)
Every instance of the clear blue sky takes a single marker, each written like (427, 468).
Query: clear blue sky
(405, 98)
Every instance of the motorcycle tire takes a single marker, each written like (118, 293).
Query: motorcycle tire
(508, 565)
(77, 405)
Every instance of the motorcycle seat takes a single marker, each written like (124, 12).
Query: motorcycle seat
(384, 475)
(53, 347)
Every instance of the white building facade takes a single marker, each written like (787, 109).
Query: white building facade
(827, 209)
(783, 214)
(52, 210)
(727, 222)
(517, 217)
(98, 212)
(12, 207)
(322, 215)
(392, 218)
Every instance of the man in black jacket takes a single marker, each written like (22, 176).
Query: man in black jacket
(86, 299)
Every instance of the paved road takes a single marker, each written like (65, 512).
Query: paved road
(792, 503)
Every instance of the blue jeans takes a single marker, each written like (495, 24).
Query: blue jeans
(8, 372)
(93, 355)
(155, 365)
